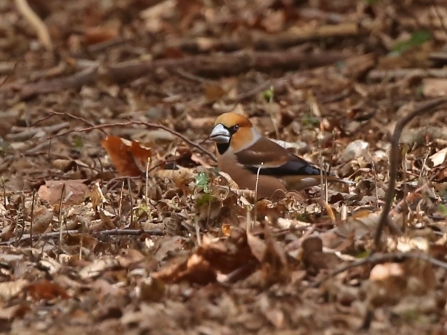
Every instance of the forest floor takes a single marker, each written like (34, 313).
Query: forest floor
(115, 220)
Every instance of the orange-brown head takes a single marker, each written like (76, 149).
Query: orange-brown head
(233, 132)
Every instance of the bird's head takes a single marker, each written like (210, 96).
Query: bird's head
(233, 132)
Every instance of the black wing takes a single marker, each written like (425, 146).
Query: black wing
(297, 166)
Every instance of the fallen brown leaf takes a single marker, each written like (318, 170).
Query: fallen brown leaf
(95, 35)
(11, 289)
(46, 290)
(42, 219)
(313, 257)
(75, 192)
(129, 158)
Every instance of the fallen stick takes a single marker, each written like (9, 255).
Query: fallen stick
(36, 22)
(111, 232)
(379, 75)
(149, 125)
(205, 65)
(262, 41)
(428, 106)
(28, 133)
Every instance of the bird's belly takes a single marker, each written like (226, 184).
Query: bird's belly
(268, 186)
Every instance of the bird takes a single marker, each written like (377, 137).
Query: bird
(251, 159)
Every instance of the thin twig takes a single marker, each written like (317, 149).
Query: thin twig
(129, 186)
(36, 22)
(424, 164)
(130, 232)
(376, 180)
(406, 209)
(141, 123)
(8, 75)
(32, 217)
(23, 223)
(197, 227)
(394, 154)
(114, 181)
(5, 199)
(101, 46)
(146, 182)
(28, 133)
(59, 250)
(49, 116)
(193, 77)
(120, 205)
(239, 272)
(168, 160)
(256, 191)
(91, 124)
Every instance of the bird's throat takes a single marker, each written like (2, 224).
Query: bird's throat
(222, 147)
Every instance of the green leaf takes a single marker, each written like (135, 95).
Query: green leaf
(364, 254)
(442, 209)
(339, 64)
(419, 92)
(420, 37)
(416, 40)
(268, 94)
(304, 217)
(309, 121)
(4, 146)
(78, 142)
(202, 180)
(206, 198)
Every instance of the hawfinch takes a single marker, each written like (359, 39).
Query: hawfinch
(242, 151)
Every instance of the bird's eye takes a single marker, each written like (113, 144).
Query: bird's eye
(236, 127)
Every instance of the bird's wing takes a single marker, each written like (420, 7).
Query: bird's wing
(272, 159)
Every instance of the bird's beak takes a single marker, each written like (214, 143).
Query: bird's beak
(220, 134)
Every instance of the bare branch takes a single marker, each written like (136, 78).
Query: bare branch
(141, 123)
(394, 154)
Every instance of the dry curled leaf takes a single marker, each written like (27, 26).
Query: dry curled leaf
(152, 290)
(97, 196)
(313, 257)
(275, 266)
(130, 158)
(391, 282)
(210, 259)
(42, 219)
(46, 290)
(95, 268)
(94, 35)
(12, 312)
(129, 257)
(10, 289)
